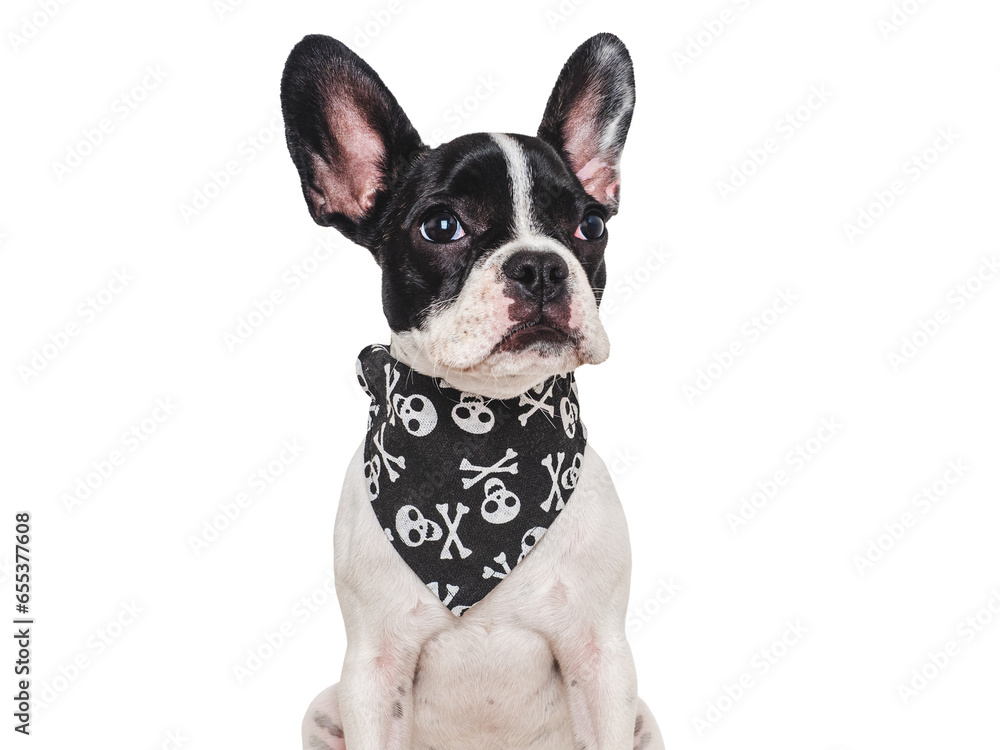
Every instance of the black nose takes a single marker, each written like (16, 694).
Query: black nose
(537, 276)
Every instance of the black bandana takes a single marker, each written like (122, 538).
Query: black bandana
(463, 486)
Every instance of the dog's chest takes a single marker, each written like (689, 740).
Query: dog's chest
(492, 677)
(504, 685)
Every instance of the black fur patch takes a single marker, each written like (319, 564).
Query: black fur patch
(325, 722)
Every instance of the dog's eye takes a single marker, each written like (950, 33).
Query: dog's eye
(591, 228)
(441, 227)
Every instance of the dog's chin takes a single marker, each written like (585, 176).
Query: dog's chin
(524, 357)
(509, 371)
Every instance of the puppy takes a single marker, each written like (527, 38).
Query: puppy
(492, 255)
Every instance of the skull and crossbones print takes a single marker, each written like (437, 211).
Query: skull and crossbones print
(464, 486)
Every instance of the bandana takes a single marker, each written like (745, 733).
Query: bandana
(465, 486)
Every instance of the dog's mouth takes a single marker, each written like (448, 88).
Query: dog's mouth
(534, 332)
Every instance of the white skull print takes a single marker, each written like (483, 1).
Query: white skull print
(572, 474)
(530, 539)
(373, 470)
(414, 528)
(501, 505)
(569, 413)
(472, 414)
(416, 412)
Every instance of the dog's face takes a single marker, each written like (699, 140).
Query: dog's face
(492, 245)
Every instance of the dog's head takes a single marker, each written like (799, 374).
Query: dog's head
(491, 245)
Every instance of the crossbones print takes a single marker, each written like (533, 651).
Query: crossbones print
(485, 471)
(555, 493)
(540, 404)
(390, 386)
(488, 572)
(452, 524)
(387, 460)
(451, 588)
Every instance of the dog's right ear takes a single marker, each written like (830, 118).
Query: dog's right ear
(346, 133)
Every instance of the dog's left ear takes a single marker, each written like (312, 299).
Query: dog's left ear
(589, 112)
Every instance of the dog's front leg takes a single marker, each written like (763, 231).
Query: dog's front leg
(376, 695)
(388, 616)
(601, 691)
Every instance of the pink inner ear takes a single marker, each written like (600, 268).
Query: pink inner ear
(596, 172)
(348, 185)
(600, 180)
(580, 137)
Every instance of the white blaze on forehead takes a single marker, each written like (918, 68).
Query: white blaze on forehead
(520, 182)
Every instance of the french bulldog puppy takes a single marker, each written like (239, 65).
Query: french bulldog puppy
(491, 248)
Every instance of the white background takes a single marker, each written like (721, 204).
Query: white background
(690, 461)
